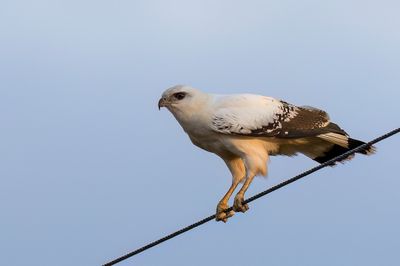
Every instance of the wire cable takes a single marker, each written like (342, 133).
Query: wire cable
(253, 198)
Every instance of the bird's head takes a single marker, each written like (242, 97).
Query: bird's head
(182, 100)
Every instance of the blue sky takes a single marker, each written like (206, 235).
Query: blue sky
(90, 169)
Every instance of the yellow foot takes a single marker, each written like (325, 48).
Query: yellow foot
(222, 214)
(238, 205)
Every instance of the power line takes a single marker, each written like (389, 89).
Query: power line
(259, 195)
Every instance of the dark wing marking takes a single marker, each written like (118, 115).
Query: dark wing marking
(288, 121)
(297, 122)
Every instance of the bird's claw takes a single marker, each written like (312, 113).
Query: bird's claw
(222, 213)
(238, 205)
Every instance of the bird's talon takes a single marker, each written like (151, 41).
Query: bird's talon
(238, 205)
(222, 213)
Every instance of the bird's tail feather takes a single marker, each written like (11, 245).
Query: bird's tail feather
(341, 145)
(354, 143)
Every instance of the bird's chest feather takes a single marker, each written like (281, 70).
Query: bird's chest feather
(204, 137)
(208, 142)
(201, 134)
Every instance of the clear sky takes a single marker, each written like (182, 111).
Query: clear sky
(90, 169)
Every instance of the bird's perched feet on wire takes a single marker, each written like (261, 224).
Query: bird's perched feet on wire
(222, 213)
(238, 205)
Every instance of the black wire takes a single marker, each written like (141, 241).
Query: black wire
(259, 195)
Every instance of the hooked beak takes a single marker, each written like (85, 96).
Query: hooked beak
(161, 103)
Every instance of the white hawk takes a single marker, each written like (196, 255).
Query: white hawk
(245, 129)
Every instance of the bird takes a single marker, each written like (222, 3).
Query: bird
(246, 129)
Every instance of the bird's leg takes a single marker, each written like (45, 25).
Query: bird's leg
(237, 168)
(238, 205)
(222, 214)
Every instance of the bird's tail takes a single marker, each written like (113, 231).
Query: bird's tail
(341, 144)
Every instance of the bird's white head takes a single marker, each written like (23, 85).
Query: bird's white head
(183, 101)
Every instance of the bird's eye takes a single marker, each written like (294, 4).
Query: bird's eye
(179, 95)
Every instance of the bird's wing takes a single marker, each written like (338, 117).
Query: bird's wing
(259, 116)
